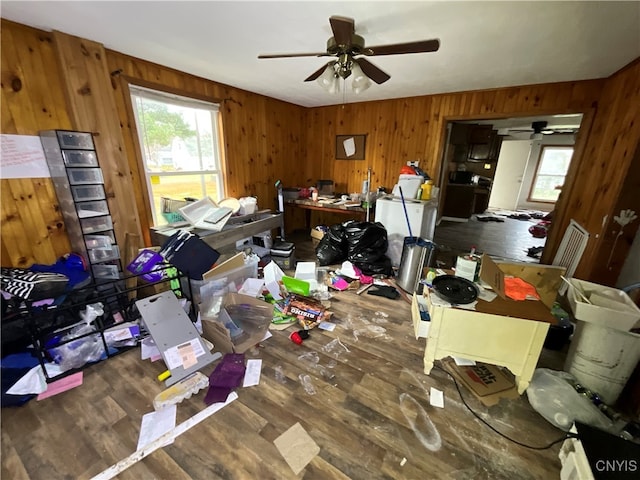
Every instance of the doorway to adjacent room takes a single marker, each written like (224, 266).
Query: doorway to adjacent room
(499, 182)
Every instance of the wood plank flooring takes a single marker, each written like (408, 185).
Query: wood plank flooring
(370, 412)
(509, 239)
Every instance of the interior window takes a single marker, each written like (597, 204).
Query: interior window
(551, 170)
(180, 142)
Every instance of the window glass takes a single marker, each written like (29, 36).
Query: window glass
(180, 150)
(550, 174)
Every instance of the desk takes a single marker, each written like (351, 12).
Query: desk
(486, 337)
(358, 213)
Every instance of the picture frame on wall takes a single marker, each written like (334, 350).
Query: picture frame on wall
(350, 147)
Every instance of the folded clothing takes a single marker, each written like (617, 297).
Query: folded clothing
(226, 377)
(29, 285)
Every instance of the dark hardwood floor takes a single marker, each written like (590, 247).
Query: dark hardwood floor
(371, 416)
(509, 239)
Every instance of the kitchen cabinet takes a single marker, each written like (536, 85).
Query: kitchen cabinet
(462, 201)
(474, 143)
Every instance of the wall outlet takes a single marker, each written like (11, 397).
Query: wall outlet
(413, 163)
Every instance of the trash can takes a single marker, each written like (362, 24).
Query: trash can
(417, 253)
(603, 352)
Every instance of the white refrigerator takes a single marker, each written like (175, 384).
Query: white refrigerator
(422, 216)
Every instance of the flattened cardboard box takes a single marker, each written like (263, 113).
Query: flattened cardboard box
(487, 382)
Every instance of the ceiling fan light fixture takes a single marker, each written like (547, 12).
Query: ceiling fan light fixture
(360, 82)
(329, 79)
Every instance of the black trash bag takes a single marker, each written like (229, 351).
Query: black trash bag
(367, 247)
(367, 242)
(332, 248)
(382, 266)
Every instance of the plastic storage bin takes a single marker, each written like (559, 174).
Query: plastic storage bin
(97, 241)
(80, 158)
(84, 176)
(104, 254)
(80, 140)
(92, 209)
(228, 282)
(97, 224)
(83, 193)
(106, 272)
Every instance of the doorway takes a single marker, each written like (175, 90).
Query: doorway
(488, 173)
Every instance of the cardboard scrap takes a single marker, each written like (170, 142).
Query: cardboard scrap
(297, 447)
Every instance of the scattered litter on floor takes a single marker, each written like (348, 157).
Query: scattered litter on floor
(335, 348)
(403, 461)
(279, 374)
(306, 382)
(297, 447)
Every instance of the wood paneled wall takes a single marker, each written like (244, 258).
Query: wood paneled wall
(32, 226)
(415, 128)
(266, 139)
(604, 179)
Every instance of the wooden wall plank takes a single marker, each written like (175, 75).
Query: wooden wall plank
(32, 100)
(93, 109)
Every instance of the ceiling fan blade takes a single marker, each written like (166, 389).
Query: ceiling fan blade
(371, 71)
(421, 46)
(342, 28)
(317, 73)
(288, 55)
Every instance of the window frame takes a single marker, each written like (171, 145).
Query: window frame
(530, 197)
(186, 99)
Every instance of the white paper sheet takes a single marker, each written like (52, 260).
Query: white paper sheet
(156, 424)
(33, 382)
(148, 349)
(183, 355)
(22, 157)
(252, 373)
(349, 146)
(328, 326)
(463, 362)
(436, 397)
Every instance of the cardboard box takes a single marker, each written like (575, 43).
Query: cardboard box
(488, 383)
(545, 278)
(316, 236)
(216, 332)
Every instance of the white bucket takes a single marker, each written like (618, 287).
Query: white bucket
(602, 359)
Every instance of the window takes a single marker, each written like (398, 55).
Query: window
(553, 165)
(180, 142)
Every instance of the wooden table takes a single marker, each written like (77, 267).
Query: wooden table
(357, 213)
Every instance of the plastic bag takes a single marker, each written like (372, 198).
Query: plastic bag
(76, 353)
(552, 395)
(332, 248)
(367, 246)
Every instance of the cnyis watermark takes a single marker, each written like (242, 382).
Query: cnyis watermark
(620, 466)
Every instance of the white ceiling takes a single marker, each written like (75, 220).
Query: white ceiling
(483, 44)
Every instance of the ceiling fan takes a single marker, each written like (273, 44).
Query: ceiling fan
(346, 45)
(540, 128)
